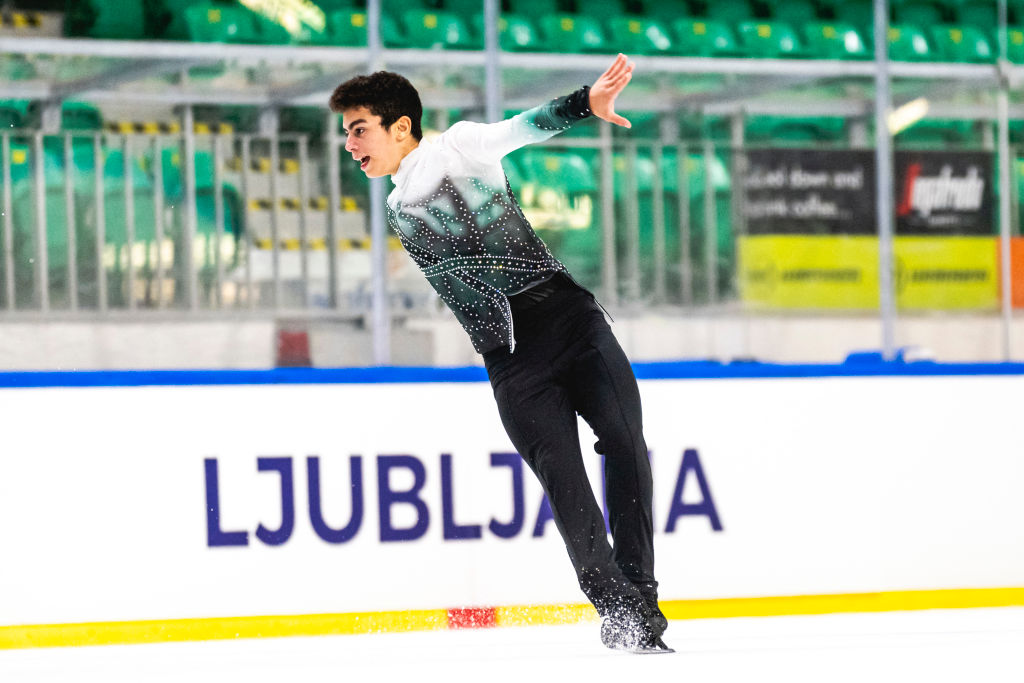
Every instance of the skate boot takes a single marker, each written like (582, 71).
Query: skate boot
(655, 617)
(628, 628)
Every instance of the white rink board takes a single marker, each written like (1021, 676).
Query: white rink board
(822, 485)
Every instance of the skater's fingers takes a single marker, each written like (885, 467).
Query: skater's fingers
(619, 120)
(616, 67)
(616, 86)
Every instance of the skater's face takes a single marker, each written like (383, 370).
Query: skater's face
(377, 150)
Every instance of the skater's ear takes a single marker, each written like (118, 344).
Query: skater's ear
(401, 129)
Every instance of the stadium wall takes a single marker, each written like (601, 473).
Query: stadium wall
(148, 506)
(440, 341)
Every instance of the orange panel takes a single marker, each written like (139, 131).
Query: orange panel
(1016, 269)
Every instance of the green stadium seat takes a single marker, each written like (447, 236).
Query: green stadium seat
(961, 44)
(667, 10)
(939, 134)
(534, 8)
(73, 115)
(794, 12)
(562, 170)
(795, 129)
(170, 15)
(429, 28)
(1015, 45)
(917, 12)
(122, 20)
(21, 168)
(80, 116)
(515, 33)
(909, 44)
(348, 27)
(770, 39)
(640, 36)
(705, 38)
(209, 23)
(573, 33)
(270, 32)
(645, 173)
(12, 113)
(308, 120)
(860, 14)
(980, 13)
(555, 179)
(328, 6)
(832, 40)
(730, 11)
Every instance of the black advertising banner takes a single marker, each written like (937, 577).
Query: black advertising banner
(832, 192)
(944, 193)
(809, 192)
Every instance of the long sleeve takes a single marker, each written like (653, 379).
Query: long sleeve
(487, 143)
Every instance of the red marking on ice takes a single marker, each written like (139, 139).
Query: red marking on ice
(471, 617)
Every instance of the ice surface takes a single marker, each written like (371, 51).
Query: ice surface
(936, 646)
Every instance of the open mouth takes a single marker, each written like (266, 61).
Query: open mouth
(363, 163)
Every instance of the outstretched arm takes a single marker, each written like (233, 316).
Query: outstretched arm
(489, 142)
(607, 88)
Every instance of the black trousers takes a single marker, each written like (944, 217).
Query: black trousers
(568, 362)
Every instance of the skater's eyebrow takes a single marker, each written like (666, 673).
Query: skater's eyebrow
(357, 121)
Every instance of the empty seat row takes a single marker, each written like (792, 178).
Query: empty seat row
(680, 37)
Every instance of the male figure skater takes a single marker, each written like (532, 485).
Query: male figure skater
(548, 351)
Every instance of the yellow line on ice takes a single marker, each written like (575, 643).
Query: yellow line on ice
(224, 628)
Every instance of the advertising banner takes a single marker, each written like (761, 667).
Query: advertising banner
(156, 503)
(841, 272)
(946, 273)
(809, 192)
(808, 271)
(944, 193)
(832, 192)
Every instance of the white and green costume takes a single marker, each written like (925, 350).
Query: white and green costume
(456, 215)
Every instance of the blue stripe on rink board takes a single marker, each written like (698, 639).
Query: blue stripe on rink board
(395, 375)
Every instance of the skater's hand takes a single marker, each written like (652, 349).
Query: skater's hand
(607, 88)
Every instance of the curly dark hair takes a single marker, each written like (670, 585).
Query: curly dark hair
(386, 94)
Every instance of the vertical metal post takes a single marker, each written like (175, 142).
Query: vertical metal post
(275, 221)
(1005, 204)
(609, 268)
(884, 168)
(8, 224)
(658, 224)
(247, 238)
(373, 39)
(70, 226)
(710, 225)
(42, 267)
(632, 216)
(218, 220)
(492, 65)
(189, 273)
(380, 315)
(303, 218)
(99, 198)
(129, 219)
(333, 207)
(685, 227)
(737, 197)
(857, 131)
(158, 219)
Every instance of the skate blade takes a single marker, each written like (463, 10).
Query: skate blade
(666, 650)
(657, 648)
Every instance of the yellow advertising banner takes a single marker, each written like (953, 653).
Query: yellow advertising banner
(841, 272)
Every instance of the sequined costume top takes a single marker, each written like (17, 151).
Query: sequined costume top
(455, 213)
